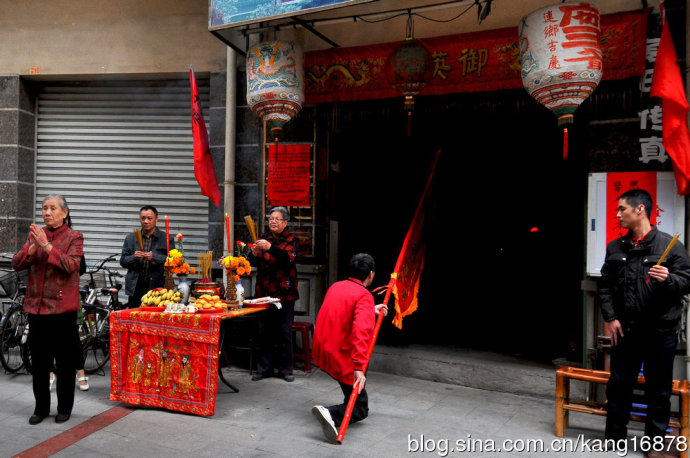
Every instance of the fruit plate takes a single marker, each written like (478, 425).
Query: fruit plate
(211, 310)
(151, 309)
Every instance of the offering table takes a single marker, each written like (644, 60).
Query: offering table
(168, 360)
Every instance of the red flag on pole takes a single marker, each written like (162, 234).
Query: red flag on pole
(203, 164)
(667, 84)
(408, 268)
(411, 243)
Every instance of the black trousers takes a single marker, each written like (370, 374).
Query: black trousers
(656, 350)
(360, 410)
(54, 338)
(275, 337)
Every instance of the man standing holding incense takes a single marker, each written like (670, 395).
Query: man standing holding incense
(275, 255)
(143, 254)
(641, 305)
(344, 329)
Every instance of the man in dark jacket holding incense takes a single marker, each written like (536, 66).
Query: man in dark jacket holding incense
(641, 302)
(144, 255)
(343, 332)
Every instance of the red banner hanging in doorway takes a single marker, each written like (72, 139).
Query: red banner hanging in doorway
(616, 184)
(470, 62)
(288, 174)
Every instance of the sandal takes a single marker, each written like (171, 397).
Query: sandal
(85, 385)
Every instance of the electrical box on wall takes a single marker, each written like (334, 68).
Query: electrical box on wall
(604, 189)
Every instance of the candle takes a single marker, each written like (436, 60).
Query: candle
(167, 233)
(227, 231)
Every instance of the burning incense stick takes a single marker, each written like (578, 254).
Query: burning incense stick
(250, 225)
(137, 235)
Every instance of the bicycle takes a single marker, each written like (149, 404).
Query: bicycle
(14, 325)
(91, 294)
(94, 325)
(94, 334)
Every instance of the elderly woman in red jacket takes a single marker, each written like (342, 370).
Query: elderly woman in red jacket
(344, 328)
(52, 254)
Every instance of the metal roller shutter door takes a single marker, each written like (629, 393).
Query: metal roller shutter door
(111, 147)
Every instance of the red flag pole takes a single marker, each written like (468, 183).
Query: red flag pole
(379, 320)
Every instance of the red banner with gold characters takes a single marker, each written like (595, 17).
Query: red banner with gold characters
(165, 360)
(289, 174)
(616, 184)
(471, 62)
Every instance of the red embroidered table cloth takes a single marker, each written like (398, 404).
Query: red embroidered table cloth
(167, 360)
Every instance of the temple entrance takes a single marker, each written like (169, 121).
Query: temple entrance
(505, 250)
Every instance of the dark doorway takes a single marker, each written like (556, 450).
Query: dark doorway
(505, 250)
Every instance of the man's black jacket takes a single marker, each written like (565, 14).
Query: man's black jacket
(625, 293)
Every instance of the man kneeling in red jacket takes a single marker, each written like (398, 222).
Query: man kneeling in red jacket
(344, 329)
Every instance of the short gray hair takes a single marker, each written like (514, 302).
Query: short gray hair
(60, 198)
(282, 210)
(63, 204)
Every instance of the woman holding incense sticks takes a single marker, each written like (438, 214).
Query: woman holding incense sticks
(275, 255)
(645, 275)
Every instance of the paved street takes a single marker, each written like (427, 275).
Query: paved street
(273, 418)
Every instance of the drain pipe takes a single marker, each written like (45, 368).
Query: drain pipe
(230, 122)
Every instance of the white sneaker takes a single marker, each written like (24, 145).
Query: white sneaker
(327, 425)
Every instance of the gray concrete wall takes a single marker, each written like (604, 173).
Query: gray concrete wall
(101, 37)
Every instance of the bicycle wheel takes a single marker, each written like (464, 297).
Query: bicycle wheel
(94, 333)
(10, 340)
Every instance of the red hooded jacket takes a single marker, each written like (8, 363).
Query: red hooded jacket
(344, 328)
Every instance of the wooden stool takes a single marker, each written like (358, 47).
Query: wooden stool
(305, 329)
(564, 404)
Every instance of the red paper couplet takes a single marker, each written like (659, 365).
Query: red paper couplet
(616, 184)
(288, 174)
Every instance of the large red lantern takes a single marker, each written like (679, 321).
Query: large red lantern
(408, 69)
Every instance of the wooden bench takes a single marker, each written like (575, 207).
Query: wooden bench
(564, 404)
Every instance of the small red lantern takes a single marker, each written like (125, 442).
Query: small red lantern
(408, 69)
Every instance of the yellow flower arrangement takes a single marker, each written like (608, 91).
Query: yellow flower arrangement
(175, 262)
(236, 266)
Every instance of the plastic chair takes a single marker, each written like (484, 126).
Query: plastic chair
(303, 354)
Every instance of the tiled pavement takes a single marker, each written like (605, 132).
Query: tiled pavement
(272, 418)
